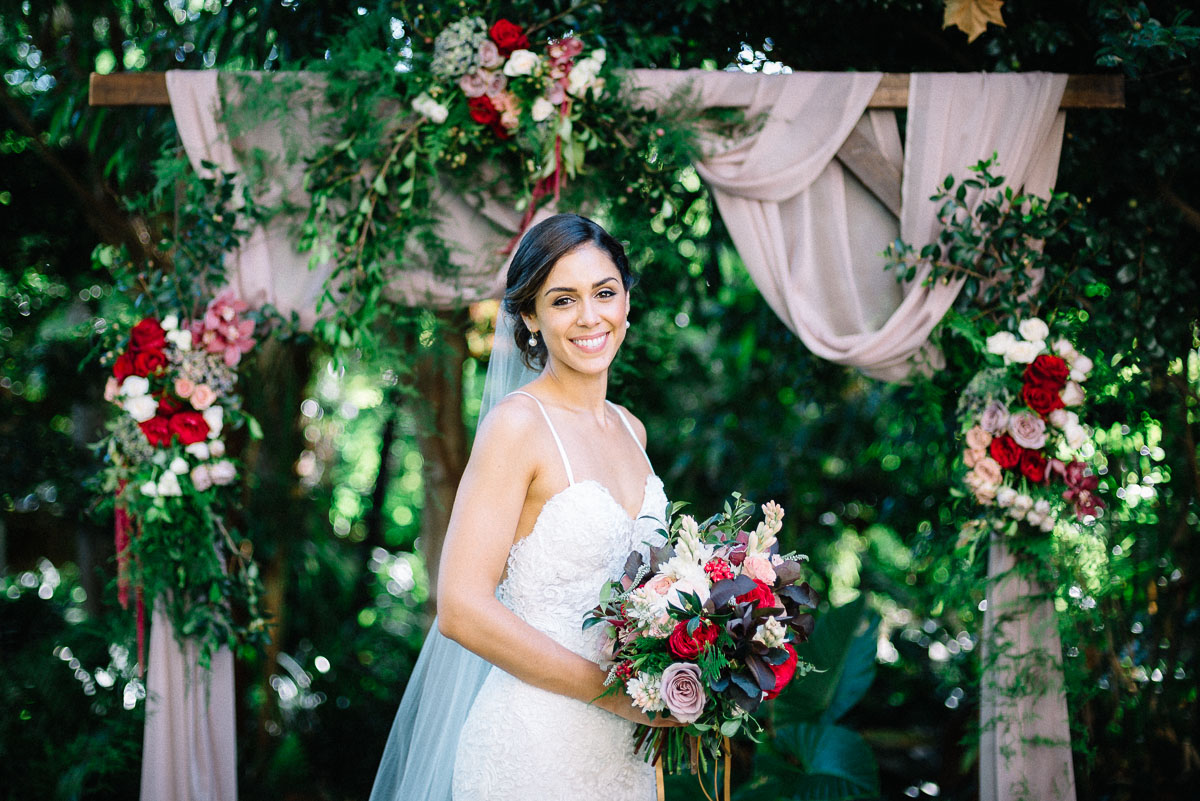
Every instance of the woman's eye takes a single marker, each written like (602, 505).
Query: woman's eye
(606, 293)
(561, 301)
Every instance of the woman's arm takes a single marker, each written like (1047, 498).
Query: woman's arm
(503, 467)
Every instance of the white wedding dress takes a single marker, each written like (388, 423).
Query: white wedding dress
(523, 743)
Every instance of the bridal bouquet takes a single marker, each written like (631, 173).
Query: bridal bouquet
(168, 473)
(1027, 451)
(704, 630)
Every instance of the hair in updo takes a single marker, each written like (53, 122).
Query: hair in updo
(540, 249)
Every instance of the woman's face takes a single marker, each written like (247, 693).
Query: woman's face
(580, 310)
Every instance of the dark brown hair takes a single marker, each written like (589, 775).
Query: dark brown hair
(540, 249)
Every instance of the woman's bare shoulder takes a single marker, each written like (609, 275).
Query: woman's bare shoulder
(639, 428)
(511, 422)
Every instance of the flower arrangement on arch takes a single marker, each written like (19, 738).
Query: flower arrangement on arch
(170, 475)
(1027, 450)
(704, 630)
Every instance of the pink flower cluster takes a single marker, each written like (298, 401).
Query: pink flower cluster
(222, 330)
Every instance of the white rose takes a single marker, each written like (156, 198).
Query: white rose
(1076, 436)
(1058, 418)
(222, 472)
(168, 485)
(1024, 352)
(135, 385)
(1021, 506)
(141, 408)
(199, 450)
(1000, 342)
(521, 62)
(1005, 497)
(214, 416)
(1033, 329)
(1072, 394)
(179, 465)
(599, 56)
(542, 109)
(170, 322)
(1048, 524)
(1066, 350)
(150, 489)
(201, 478)
(216, 448)
(429, 108)
(181, 338)
(1081, 367)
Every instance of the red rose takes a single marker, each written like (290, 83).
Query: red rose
(1042, 398)
(482, 110)
(1006, 452)
(168, 406)
(762, 595)
(1047, 369)
(157, 431)
(190, 427)
(147, 335)
(508, 37)
(123, 367)
(690, 646)
(500, 131)
(783, 672)
(1033, 466)
(146, 362)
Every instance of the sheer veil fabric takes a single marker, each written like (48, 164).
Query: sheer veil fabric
(418, 761)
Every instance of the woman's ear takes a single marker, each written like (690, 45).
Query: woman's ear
(530, 322)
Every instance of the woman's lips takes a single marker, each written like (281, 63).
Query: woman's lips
(591, 344)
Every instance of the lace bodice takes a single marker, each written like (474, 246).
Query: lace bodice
(521, 742)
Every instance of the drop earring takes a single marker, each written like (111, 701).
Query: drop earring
(626, 323)
(533, 340)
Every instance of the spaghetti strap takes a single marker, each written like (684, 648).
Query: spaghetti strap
(629, 428)
(561, 450)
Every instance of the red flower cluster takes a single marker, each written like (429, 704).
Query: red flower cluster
(1044, 380)
(762, 595)
(146, 354)
(718, 569)
(783, 672)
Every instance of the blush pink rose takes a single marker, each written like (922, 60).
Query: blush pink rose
(978, 439)
(971, 456)
(759, 569)
(988, 470)
(184, 387)
(202, 397)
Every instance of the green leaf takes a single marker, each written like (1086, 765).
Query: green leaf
(254, 427)
(812, 698)
(837, 764)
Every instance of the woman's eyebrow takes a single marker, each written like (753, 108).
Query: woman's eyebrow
(599, 283)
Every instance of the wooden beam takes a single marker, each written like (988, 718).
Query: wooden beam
(860, 156)
(150, 89)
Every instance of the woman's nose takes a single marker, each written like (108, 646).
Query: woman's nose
(589, 314)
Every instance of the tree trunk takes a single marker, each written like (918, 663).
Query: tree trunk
(441, 433)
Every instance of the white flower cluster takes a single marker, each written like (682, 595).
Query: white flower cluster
(771, 633)
(585, 75)
(430, 109)
(1020, 506)
(646, 691)
(648, 609)
(456, 49)
(763, 536)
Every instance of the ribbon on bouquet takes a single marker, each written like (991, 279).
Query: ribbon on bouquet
(695, 766)
(123, 532)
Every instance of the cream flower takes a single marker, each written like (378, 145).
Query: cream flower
(201, 478)
(541, 110)
(178, 465)
(770, 633)
(135, 386)
(1024, 352)
(168, 485)
(222, 472)
(999, 343)
(1081, 367)
(215, 417)
(1033, 330)
(1072, 394)
(198, 450)
(521, 62)
(141, 408)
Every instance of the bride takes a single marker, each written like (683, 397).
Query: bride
(557, 492)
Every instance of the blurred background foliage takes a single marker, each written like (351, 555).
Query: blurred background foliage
(342, 506)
